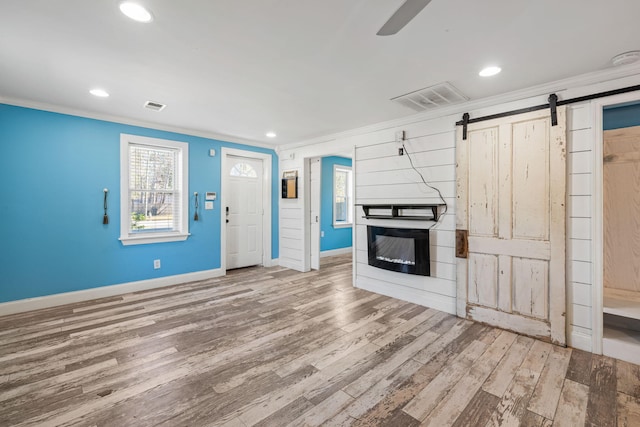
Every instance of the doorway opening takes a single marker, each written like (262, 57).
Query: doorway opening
(616, 242)
(329, 209)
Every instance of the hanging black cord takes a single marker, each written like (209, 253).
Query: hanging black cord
(105, 218)
(446, 207)
(195, 216)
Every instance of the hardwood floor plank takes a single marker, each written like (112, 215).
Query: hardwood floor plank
(501, 377)
(628, 410)
(478, 411)
(323, 411)
(367, 380)
(547, 392)
(628, 378)
(424, 356)
(357, 338)
(602, 402)
(572, 407)
(287, 414)
(512, 408)
(429, 397)
(448, 410)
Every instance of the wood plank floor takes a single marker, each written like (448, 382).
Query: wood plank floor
(274, 347)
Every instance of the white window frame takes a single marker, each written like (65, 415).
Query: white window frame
(182, 184)
(349, 222)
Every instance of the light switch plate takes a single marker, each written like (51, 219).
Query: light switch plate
(208, 206)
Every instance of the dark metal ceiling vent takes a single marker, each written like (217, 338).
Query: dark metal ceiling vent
(431, 97)
(155, 106)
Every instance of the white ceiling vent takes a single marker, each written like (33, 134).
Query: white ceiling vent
(155, 106)
(440, 95)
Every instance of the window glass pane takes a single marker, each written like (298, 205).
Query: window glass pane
(243, 169)
(152, 193)
(341, 195)
(152, 211)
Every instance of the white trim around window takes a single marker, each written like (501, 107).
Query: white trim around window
(176, 225)
(343, 204)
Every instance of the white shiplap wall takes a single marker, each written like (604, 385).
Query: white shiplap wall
(383, 177)
(292, 215)
(580, 140)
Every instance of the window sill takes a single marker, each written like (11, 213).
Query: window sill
(343, 225)
(156, 238)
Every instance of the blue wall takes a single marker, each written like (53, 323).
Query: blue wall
(623, 116)
(334, 238)
(53, 169)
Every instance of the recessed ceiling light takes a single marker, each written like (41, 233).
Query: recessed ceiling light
(490, 71)
(271, 134)
(626, 58)
(99, 93)
(136, 12)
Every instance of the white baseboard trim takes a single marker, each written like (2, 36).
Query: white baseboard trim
(405, 293)
(339, 251)
(272, 263)
(29, 304)
(294, 265)
(580, 341)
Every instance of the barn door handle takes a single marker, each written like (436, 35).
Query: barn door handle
(462, 244)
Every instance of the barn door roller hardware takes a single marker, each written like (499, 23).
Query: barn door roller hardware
(554, 102)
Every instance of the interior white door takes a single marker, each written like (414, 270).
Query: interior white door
(314, 217)
(244, 212)
(511, 204)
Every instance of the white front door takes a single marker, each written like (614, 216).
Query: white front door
(244, 212)
(314, 175)
(511, 205)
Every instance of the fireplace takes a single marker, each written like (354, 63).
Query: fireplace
(405, 250)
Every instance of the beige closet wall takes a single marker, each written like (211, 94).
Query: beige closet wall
(621, 201)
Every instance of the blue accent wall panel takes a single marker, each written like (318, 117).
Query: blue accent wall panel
(623, 116)
(53, 169)
(334, 238)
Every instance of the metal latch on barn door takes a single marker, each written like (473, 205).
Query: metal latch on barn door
(462, 245)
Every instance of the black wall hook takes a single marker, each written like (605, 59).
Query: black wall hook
(105, 218)
(195, 216)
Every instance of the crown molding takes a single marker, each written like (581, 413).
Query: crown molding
(582, 80)
(132, 122)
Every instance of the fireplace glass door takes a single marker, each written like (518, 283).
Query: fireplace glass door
(399, 249)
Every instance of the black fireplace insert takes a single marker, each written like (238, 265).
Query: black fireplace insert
(405, 250)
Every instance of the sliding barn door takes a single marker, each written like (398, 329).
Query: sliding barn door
(511, 220)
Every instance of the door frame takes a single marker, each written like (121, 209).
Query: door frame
(306, 208)
(317, 197)
(266, 160)
(597, 220)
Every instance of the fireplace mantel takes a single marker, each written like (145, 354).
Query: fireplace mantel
(400, 211)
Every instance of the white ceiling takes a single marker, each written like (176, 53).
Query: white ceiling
(303, 68)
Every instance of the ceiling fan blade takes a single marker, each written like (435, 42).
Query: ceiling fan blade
(403, 15)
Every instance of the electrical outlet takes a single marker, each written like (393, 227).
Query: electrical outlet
(400, 151)
(156, 264)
